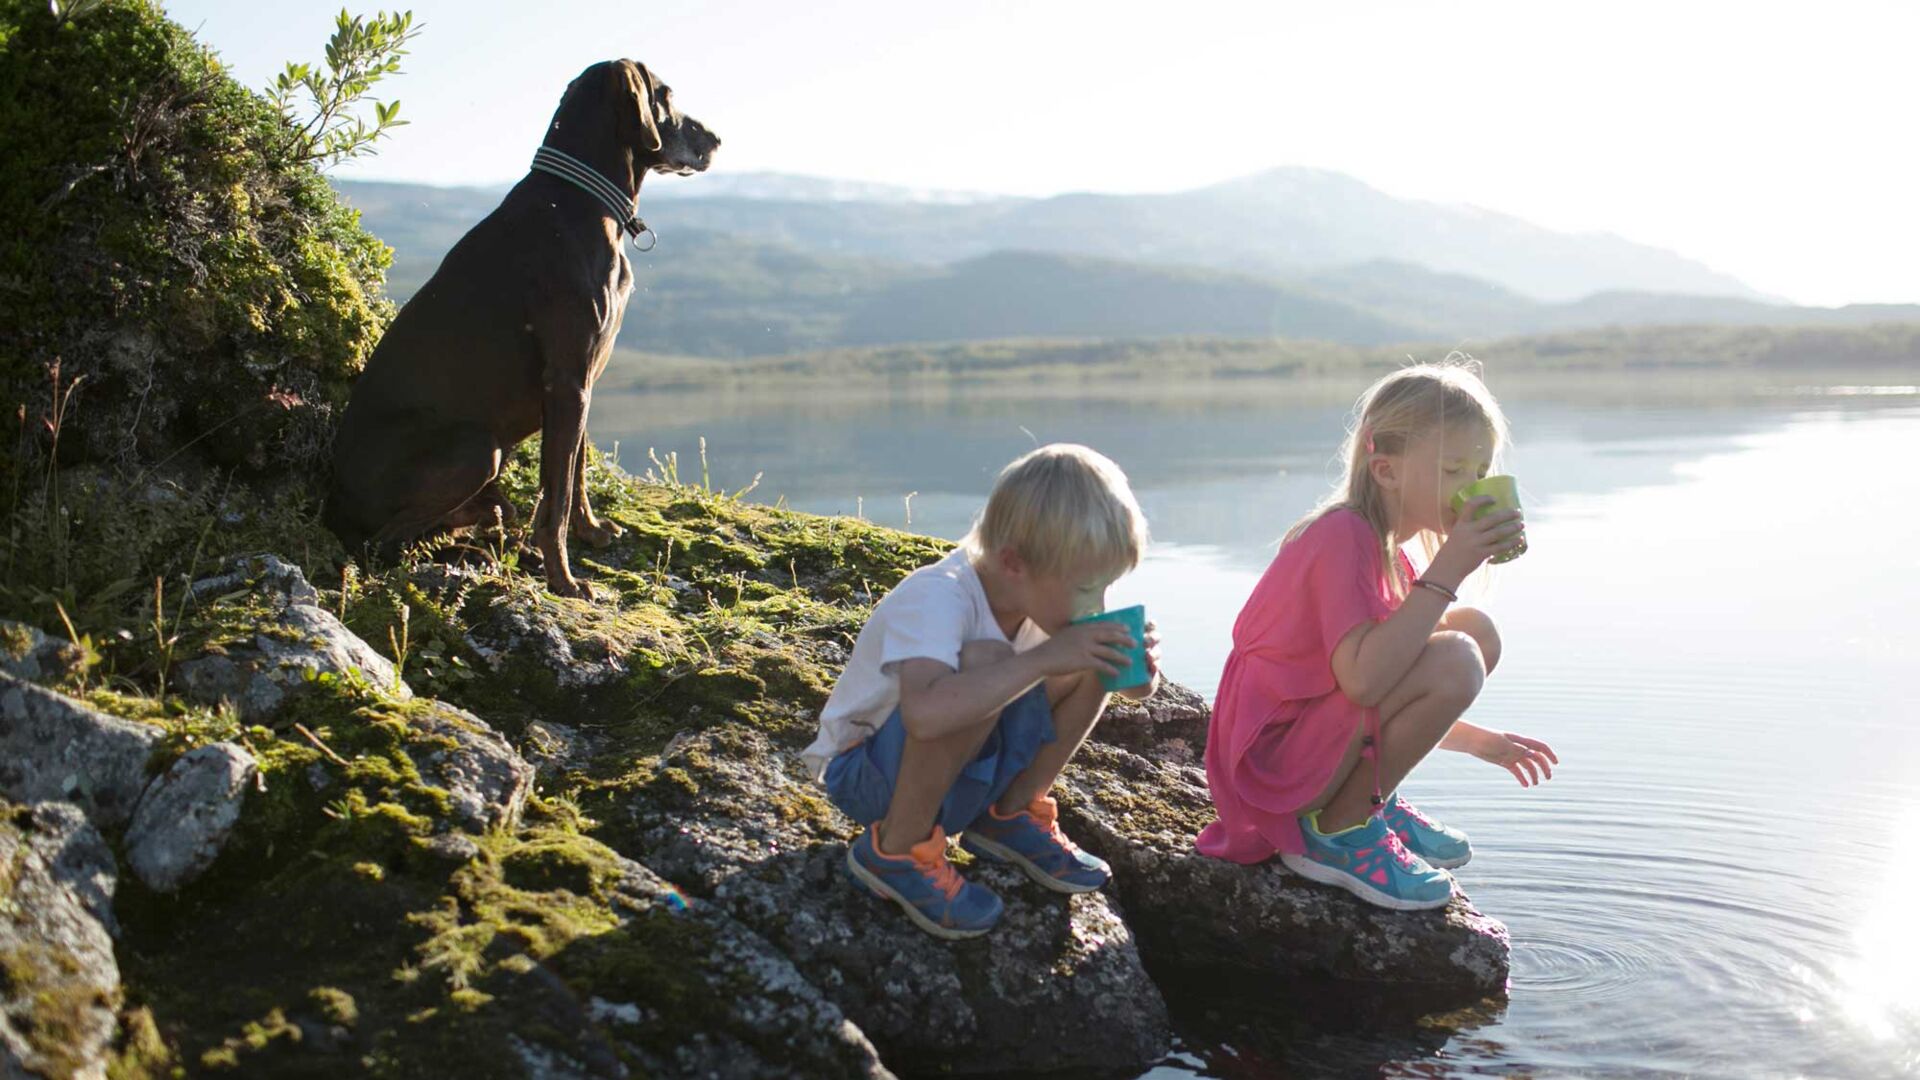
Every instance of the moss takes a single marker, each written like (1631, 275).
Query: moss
(336, 1005)
(15, 642)
(57, 1017)
(142, 1052)
(160, 241)
(560, 861)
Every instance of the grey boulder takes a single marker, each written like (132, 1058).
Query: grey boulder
(59, 982)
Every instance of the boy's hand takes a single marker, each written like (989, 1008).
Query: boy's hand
(1529, 760)
(1146, 689)
(1472, 542)
(1084, 646)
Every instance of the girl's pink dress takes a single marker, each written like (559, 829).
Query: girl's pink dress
(1280, 723)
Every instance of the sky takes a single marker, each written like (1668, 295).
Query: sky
(1770, 141)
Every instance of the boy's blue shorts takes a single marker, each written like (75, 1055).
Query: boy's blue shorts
(860, 779)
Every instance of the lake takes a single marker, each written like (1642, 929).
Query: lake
(1717, 628)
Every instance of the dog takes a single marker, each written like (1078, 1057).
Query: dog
(506, 339)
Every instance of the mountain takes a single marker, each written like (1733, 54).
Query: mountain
(786, 187)
(1015, 294)
(1283, 222)
(773, 273)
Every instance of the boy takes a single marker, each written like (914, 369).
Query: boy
(969, 688)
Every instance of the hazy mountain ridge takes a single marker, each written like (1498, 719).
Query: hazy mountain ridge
(740, 275)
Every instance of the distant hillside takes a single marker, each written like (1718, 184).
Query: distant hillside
(1283, 222)
(1744, 359)
(1030, 294)
(791, 276)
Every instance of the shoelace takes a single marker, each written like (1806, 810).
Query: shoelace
(1407, 808)
(1047, 812)
(1398, 850)
(930, 858)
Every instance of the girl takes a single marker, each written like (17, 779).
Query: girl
(1343, 655)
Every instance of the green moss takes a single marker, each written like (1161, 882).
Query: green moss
(142, 1052)
(159, 241)
(59, 1006)
(15, 642)
(336, 1005)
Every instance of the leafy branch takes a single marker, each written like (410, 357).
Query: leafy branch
(69, 10)
(361, 52)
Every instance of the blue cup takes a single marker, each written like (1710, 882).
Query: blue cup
(1135, 673)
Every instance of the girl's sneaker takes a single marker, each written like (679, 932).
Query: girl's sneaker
(1444, 848)
(925, 885)
(1369, 861)
(1031, 839)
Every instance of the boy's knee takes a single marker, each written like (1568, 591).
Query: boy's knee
(983, 652)
(1459, 665)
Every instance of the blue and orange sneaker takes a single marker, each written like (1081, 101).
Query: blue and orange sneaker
(925, 885)
(1444, 848)
(1031, 839)
(1369, 861)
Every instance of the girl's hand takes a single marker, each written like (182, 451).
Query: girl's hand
(1473, 541)
(1146, 689)
(1529, 760)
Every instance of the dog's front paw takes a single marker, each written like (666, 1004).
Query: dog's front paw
(598, 534)
(569, 586)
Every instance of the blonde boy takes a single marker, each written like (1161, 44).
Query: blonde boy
(970, 687)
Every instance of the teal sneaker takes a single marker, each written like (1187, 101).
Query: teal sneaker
(1031, 839)
(925, 885)
(1444, 848)
(1369, 861)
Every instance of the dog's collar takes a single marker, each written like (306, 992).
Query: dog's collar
(586, 178)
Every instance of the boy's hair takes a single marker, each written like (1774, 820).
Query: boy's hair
(1395, 411)
(1065, 509)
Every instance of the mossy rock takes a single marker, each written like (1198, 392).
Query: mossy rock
(159, 242)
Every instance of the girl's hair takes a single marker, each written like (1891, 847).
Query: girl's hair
(1065, 509)
(1394, 412)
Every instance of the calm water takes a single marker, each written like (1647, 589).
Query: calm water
(1717, 627)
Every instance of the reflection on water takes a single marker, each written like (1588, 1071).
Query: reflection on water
(1715, 627)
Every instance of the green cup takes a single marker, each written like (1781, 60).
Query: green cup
(1506, 496)
(1135, 620)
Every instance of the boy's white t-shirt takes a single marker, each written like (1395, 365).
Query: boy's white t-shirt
(938, 608)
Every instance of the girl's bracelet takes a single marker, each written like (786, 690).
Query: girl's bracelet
(1452, 597)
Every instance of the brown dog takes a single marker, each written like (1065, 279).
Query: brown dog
(507, 338)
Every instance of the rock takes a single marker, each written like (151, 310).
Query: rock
(1057, 985)
(486, 780)
(1171, 724)
(26, 653)
(454, 849)
(567, 651)
(266, 574)
(53, 748)
(293, 639)
(1197, 914)
(59, 982)
(183, 820)
(774, 1023)
(555, 748)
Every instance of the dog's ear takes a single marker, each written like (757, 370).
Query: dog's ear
(639, 84)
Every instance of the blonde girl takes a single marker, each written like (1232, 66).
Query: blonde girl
(1348, 667)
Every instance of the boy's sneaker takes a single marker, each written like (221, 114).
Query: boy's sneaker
(1443, 848)
(925, 885)
(1031, 840)
(1369, 861)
